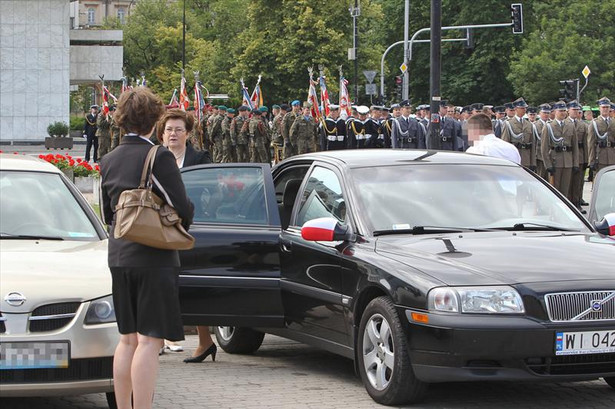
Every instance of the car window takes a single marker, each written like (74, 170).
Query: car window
(605, 196)
(294, 173)
(227, 195)
(322, 197)
(40, 204)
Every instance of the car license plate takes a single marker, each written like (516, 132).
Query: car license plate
(586, 342)
(34, 355)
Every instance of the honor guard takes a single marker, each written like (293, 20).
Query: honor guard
(387, 125)
(498, 122)
(408, 133)
(216, 134)
(510, 110)
(518, 131)
(544, 111)
(333, 130)
(259, 136)
(578, 178)
(373, 133)
(227, 142)
(304, 131)
(277, 140)
(89, 132)
(239, 134)
(356, 129)
(450, 130)
(560, 150)
(290, 148)
(450, 114)
(601, 138)
(116, 134)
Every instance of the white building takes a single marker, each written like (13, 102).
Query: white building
(41, 57)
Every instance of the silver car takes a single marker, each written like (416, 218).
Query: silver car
(57, 321)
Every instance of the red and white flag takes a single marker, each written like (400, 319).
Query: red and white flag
(344, 98)
(184, 101)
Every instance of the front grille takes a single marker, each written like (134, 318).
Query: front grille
(53, 316)
(581, 306)
(78, 370)
(573, 364)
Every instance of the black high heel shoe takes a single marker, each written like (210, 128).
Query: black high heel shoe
(212, 350)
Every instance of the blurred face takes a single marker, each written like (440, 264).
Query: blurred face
(174, 134)
(335, 113)
(510, 112)
(306, 111)
(500, 115)
(276, 111)
(604, 110)
(443, 111)
(532, 117)
(396, 112)
(405, 111)
(244, 113)
(450, 111)
(588, 115)
(519, 111)
(560, 114)
(296, 108)
(573, 113)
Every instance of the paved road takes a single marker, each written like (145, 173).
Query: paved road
(286, 374)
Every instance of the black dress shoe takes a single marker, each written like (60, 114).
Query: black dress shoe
(212, 350)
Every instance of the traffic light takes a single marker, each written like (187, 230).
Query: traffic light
(569, 92)
(516, 10)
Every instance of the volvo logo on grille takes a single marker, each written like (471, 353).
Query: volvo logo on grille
(596, 306)
(15, 299)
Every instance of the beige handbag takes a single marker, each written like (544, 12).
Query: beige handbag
(141, 216)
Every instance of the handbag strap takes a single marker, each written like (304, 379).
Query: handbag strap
(148, 166)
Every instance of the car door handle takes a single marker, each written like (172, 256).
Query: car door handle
(286, 246)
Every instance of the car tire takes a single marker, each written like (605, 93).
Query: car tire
(611, 381)
(383, 359)
(236, 340)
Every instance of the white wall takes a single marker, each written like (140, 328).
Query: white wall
(34, 67)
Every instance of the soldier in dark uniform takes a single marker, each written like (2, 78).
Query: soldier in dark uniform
(356, 129)
(601, 138)
(510, 110)
(578, 178)
(387, 126)
(520, 133)
(498, 122)
(476, 108)
(89, 132)
(333, 130)
(408, 133)
(373, 130)
(560, 150)
(450, 130)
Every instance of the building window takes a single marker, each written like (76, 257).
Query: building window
(91, 16)
(121, 14)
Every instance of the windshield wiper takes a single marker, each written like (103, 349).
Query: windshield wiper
(426, 230)
(28, 237)
(533, 226)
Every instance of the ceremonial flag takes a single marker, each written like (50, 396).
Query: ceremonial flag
(247, 101)
(313, 100)
(173, 103)
(184, 101)
(324, 96)
(344, 98)
(199, 101)
(105, 96)
(257, 95)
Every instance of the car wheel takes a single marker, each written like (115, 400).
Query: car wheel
(610, 381)
(236, 340)
(384, 362)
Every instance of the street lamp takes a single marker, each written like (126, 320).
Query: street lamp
(355, 12)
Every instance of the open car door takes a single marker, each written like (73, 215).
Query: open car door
(232, 276)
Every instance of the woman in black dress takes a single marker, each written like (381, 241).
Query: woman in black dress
(145, 279)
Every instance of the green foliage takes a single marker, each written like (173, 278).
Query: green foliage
(77, 123)
(57, 129)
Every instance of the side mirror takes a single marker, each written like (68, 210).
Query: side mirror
(606, 226)
(324, 229)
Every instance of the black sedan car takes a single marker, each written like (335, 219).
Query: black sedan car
(421, 266)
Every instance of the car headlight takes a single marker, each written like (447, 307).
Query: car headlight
(100, 311)
(482, 300)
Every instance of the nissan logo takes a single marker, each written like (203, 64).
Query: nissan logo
(596, 306)
(15, 299)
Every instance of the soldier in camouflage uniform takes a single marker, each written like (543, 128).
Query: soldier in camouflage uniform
(259, 136)
(103, 133)
(227, 142)
(277, 140)
(289, 147)
(239, 134)
(215, 133)
(116, 136)
(304, 132)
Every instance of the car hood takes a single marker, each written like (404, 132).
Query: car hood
(48, 271)
(504, 257)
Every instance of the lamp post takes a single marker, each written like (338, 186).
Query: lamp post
(184, 38)
(436, 36)
(354, 13)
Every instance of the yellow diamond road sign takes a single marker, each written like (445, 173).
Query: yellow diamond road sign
(403, 67)
(586, 71)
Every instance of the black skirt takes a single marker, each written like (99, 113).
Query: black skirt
(146, 301)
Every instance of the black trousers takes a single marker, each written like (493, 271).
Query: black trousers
(92, 142)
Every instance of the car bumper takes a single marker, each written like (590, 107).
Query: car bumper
(477, 348)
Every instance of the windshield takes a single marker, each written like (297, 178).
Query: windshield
(40, 205)
(458, 196)
(605, 196)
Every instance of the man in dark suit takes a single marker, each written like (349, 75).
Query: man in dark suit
(407, 132)
(89, 132)
(450, 130)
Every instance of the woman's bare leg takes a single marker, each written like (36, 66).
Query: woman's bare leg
(205, 340)
(144, 370)
(122, 362)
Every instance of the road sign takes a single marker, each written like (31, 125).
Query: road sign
(403, 67)
(370, 75)
(371, 89)
(586, 71)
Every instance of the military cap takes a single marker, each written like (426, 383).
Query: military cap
(545, 108)
(285, 107)
(509, 105)
(574, 105)
(256, 111)
(612, 106)
(263, 109)
(230, 111)
(243, 108)
(333, 107)
(362, 110)
(306, 104)
(427, 107)
(477, 106)
(532, 110)
(222, 108)
(275, 106)
(94, 106)
(385, 109)
(488, 106)
(604, 101)
(443, 103)
(500, 109)
(395, 106)
(404, 103)
(587, 108)
(519, 103)
(295, 103)
(559, 106)
(466, 109)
